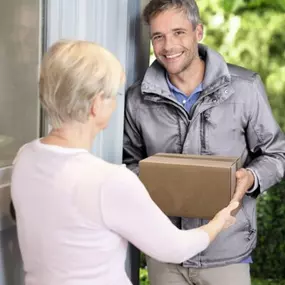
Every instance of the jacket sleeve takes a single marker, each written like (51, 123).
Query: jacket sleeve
(133, 145)
(265, 139)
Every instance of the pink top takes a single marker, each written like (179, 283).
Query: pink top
(75, 213)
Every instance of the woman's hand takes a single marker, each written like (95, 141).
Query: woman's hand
(222, 220)
(225, 217)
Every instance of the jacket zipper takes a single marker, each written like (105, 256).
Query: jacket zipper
(194, 106)
(203, 130)
(191, 113)
(189, 119)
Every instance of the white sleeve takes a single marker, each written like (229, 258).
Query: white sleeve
(128, 210)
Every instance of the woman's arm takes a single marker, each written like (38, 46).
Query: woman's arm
(128, 210)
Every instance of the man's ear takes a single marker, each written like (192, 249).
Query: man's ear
(199, 32)
(96, 103)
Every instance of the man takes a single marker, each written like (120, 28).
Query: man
(191, 101)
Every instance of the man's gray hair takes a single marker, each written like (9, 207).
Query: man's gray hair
(154, 7)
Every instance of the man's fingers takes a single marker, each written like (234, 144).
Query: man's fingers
(241, 186)
(241, 173)
(236, 209)
(233, 206)
(239, 192)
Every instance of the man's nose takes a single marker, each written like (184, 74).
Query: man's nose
(168, 43)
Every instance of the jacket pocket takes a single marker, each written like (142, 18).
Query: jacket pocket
(248, 209)
(236, 242)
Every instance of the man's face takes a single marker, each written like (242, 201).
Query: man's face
(174, 41)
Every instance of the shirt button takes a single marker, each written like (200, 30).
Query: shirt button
(226, 91)
(184, 102)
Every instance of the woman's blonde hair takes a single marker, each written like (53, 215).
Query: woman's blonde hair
(72, 73)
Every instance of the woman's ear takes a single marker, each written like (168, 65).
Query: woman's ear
(96, 103)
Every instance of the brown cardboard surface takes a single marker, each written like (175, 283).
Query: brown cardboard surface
(189, 185)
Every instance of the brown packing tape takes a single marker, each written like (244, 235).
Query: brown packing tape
(200, 157)
(188, 161)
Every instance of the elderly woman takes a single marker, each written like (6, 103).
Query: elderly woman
(76, 212)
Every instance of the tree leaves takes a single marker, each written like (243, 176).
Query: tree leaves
(241, 6)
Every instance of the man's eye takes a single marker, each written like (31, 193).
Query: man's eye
(156, 38)
(178, 33)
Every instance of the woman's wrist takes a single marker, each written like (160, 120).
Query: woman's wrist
(213, 228)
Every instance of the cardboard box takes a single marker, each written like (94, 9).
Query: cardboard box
(189, 185)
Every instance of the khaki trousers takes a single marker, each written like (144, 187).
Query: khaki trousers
(174, 274)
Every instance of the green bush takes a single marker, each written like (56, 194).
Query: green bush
(269, 255)
(255, 281)
(144, 277)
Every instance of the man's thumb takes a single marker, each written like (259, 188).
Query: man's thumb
(240, 173)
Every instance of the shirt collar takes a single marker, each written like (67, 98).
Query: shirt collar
(173, 88)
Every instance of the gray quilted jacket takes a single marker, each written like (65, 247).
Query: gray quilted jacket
(232, 117)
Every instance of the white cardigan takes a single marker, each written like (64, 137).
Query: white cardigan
(75, 213)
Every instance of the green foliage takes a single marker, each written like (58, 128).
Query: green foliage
(269, 256)
(144, 277)
(239, 6)
(267, 282)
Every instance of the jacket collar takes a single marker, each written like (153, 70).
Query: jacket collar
(216, 74)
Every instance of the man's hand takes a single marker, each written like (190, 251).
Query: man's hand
(245, 181)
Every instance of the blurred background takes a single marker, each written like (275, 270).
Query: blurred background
(251, 33)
